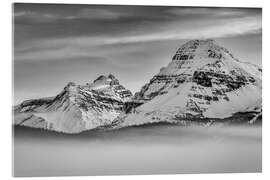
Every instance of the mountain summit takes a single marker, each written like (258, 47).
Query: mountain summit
(203, 81)
(76, 108)
(200, 48)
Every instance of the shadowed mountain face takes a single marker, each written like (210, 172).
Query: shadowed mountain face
(203, 81)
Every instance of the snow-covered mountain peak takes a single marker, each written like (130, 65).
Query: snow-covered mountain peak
(203, 80)
(76, 107)
(206, 55)
(103, 80)
(201, 49)
(71, 86)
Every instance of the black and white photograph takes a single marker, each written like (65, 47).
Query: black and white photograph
(136, 90)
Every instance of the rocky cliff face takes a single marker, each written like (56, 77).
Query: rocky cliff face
(203, 80)
(76, 108)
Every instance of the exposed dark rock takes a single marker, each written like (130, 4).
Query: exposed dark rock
(131, 105)
(202, 78)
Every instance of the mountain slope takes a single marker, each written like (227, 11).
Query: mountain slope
(203, 81)
(76, 108)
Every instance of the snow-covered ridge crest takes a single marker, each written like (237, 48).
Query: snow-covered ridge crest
(76, 108)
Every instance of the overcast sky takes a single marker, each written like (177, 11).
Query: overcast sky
(56, 44)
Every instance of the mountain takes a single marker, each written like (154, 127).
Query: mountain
(76, 108)
(203, 82)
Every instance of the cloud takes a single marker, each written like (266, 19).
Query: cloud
(96, 13)
(218, 12)
(85, 13)
(210, 29)
(220, 29)
(62, 53)
(72, 47)
(35, 16)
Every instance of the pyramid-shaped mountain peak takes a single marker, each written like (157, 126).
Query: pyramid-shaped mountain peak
(204, 63)
(207, 48)
(202, 81)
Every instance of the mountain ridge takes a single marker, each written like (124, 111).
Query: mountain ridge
(202, 82)
(76, 108)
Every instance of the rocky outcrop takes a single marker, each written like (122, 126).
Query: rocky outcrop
(130, 106)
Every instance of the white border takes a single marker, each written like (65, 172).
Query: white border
(6, 85)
